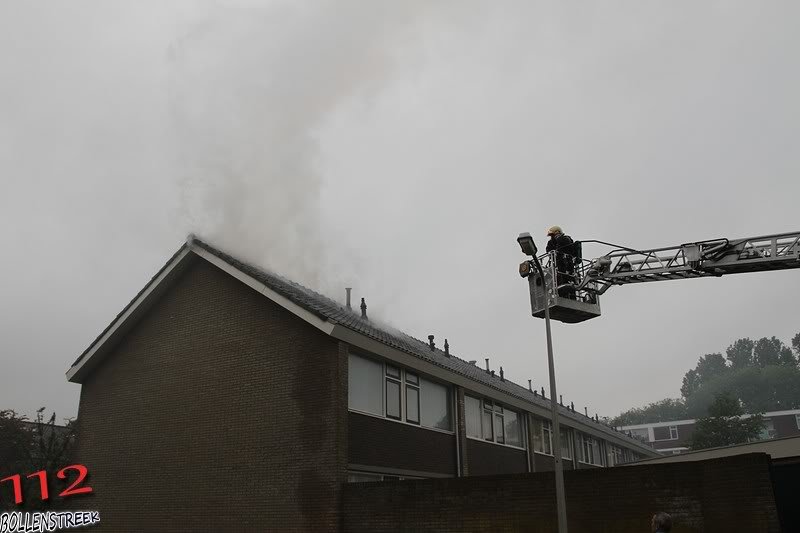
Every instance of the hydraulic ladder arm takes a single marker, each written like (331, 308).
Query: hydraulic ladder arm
(694, 260)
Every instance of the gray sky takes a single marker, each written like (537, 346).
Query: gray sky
(398, 149)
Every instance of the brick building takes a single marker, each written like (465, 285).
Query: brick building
(674, 437)
(225, 397)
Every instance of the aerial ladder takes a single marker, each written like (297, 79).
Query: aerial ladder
(574, 293)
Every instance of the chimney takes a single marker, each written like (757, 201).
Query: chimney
(529, 386)
(347, 290)
(431, 343)
(543, 395)
(446, 348)
(586, 411)
(487, 364)
(561, 399)
(572, 406)
(502, 378)
(364, 309)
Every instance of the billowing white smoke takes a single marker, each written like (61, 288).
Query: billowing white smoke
(248, 88)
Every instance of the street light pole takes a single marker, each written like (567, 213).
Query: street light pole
(561, 503)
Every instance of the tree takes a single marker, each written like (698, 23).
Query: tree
(740, 353)
(724, 425)
(772, 352)
(710, 366)
(691, 382)
(796, 344)
(661, 411)
(27, 447)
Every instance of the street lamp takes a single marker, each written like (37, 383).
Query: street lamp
(529, 248)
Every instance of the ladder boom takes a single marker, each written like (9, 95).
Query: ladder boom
(694, 260)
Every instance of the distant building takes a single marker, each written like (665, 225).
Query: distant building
(674, 437)
(223, 391)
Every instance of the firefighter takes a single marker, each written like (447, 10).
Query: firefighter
(565, 257)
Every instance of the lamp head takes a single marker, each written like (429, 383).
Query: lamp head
(526, 244)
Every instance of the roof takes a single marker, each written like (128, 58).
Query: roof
(332, 312)
(787, 448)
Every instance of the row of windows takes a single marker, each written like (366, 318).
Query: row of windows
(386, 390)
(360, 477)
(389, 391)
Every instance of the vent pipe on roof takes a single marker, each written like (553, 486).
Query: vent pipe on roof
(572, 406)
(535, 393)
(529, 386)
(363, 309)
(487, 364)
(561, 399)
(446, 348)
(502, 378)
(543, 394)
(586, 411)
(347, 290)
(431, 343)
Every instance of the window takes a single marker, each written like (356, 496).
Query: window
(513, 429)
(769, 430)
(797, 420)
(393, 392)
(492, 422)
(488, 434)
(566, 449)
(412, 398)
(641, 433)
(436, 405)
(673, 432)
(472, 414)
(590, 450)
(543, 436)
(390, 391)
(358, 477)
(616, 455)
(365, 392)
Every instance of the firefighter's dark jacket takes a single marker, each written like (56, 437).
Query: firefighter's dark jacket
(564, 248)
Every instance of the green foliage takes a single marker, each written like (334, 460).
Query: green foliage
(710, 366)
(724, 426)
(661, 411)
(740, 353)
(27, 447)
(772, 351)
(691, 382)
(762, 375)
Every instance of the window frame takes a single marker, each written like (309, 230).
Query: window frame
(386, 365)
(671, 429)
(797, 420)
(496, 411)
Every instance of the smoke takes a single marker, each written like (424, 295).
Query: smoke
(249, 88)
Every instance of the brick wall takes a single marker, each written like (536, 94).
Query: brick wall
(219, 411)
(720, 495)
(384, 443)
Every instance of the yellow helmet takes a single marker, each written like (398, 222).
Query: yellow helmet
(554, 230)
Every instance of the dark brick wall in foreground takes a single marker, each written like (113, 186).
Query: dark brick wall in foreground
(720, 495)
(219, 411)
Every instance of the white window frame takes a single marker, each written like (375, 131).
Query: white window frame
(403, 406)
(675, 429)
(498, 410)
